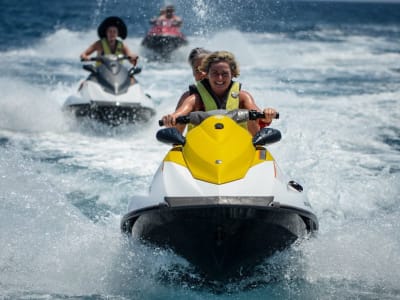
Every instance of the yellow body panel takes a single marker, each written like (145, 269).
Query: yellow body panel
(218, 151)
(175, 155)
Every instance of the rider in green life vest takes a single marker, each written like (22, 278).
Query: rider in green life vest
(109, 31)
(219, 91)
(210, 102)
(231, 103)
(107, 49)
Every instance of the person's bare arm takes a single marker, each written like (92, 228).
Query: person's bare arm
(182, 98)
(177, 21)
(96, 46)
(247, 102)
(189, 104)
(181, 127)
(133, 57)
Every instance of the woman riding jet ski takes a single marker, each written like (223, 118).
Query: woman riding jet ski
(111, 94)
(218, 198)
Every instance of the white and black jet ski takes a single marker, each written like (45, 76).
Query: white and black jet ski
(109, 94)
(219, 199)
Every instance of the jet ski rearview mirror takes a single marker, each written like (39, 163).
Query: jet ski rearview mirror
(134, 70)
(170, 135)
(266, 136)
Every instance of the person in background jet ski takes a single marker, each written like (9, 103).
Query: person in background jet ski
(111, 32)
(195, 58)
(169, 18)
(153, 21)
(218, 91)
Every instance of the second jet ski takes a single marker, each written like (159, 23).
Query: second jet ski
(111, 94)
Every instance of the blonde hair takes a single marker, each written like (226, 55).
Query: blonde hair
(218, 56)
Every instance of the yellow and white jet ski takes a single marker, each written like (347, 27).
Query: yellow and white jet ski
(219, 199)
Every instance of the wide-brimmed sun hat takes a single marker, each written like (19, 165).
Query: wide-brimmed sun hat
(112, 21)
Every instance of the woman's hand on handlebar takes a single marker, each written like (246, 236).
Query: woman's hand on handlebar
(133, 59)
(169, 120)
(269, 114)
(84, 57)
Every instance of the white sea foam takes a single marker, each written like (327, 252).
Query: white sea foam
(332, 144)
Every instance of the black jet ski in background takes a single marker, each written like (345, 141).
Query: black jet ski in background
(163, 38)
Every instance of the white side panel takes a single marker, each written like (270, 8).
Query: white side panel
(93, 91)
(174, 180)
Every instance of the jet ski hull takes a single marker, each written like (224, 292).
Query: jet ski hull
(164, 39)
(163, 44)
(113, 113)
(221, 241)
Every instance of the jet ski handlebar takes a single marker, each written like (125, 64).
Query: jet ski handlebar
(255, 115)
(238, 115)
(107, 57)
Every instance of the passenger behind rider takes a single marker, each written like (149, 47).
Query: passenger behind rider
(195, 58)
(169, 18)
(111, 32)
(218, 91)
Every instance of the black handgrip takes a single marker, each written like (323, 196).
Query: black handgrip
(178, 120)
(255, 115)
(122, 57)
(90, 59)
(100, 58)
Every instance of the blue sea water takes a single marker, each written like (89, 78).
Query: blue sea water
(332, 69)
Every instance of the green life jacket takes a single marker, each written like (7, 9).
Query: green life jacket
(232, 102)
(107, 50)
